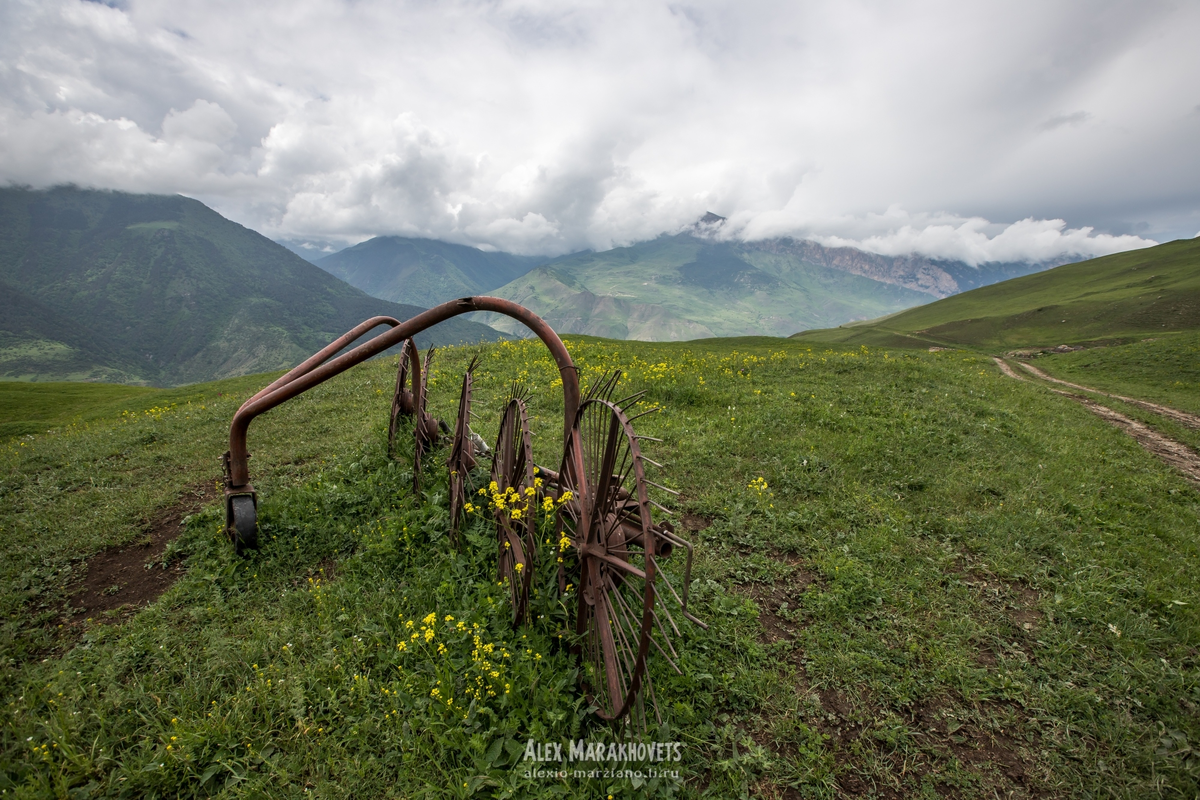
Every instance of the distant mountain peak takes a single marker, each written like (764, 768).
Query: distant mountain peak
(710, 218)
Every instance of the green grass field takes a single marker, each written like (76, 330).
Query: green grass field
(35, 408)
(955, 584)
(1124, 297)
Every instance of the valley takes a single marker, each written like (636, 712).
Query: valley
(934, 555)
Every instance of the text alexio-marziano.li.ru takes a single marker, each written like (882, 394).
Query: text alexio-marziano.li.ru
(580, 750)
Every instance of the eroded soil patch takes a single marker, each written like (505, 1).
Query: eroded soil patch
(132, 575)
(777, 598)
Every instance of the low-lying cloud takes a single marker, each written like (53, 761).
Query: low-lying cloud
(539, 127)
(974, 240)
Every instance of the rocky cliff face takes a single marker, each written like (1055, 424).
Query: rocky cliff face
(937, 277)
(918, 273)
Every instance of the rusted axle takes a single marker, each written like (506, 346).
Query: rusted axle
(240, 498)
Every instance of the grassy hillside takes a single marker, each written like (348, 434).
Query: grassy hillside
(952, 583)
(424, 272)
(683, 287)
(161, 290)
(1135, 294)
(36, 408)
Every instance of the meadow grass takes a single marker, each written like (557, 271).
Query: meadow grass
(35, 408)
(946, 581)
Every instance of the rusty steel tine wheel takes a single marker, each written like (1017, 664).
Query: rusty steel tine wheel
(428, 432)
(512, 468)
(404, 395)
(462, 454)
(607, 519)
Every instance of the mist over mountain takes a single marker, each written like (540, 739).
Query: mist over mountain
(98, 285)
(693, 285)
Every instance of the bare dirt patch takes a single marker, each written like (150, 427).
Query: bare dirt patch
(132, 576)
(957, 732)
(695, 522)
(774, 600)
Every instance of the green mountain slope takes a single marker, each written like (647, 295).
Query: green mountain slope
(162, 290)
(1149, 291)
(423, 272)
(686, 287)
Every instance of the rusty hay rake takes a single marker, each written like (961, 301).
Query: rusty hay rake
(608, 546)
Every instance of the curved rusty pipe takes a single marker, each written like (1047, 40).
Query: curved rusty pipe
(315, 370)
(314, 361)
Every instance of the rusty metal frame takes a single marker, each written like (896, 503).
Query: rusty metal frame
(322, 366)
(609, 524)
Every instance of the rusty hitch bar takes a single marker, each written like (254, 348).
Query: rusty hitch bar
(241, 500)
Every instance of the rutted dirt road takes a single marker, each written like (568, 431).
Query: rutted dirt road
(1178, 455)
(1182, 417)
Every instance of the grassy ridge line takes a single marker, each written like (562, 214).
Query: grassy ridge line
(947, 566)
(1143, 292)
(163, 290)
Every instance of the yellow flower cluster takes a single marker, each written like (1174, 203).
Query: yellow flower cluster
(762, 492)
(156, 412)
(517, 502)
(487, 673)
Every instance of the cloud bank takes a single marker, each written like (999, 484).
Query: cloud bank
(544, 127)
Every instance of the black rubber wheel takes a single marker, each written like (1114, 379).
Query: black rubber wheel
(244, 527)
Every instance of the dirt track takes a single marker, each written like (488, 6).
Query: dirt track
(1182, 417)
(1172, 452)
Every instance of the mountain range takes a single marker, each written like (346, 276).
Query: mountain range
(98, 285)
(685, 286)
(153, 289)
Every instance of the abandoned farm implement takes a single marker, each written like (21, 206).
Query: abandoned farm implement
(609, 544)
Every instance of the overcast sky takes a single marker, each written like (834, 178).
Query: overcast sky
(974, 130)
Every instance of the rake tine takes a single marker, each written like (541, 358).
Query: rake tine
(660, 486)
(658, 600)
(662, 508)
(603, 388)
(644, 413)
(639, 437)
(653, 702)
(658, 647)
(652, 461)
(633, 399)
